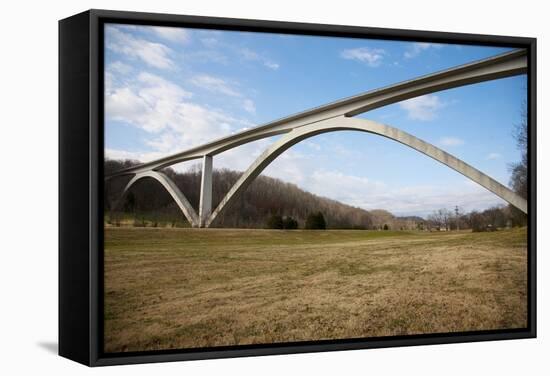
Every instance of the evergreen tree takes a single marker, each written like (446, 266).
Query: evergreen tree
(290, 223)
(275, 222)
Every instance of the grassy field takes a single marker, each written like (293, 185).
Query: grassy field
(183, 288)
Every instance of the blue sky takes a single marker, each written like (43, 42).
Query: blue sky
(168, 89)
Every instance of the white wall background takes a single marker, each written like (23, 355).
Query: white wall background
(28, 155)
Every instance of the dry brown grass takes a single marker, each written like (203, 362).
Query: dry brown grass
(183, 288)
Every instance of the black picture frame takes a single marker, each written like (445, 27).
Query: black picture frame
(81, 185)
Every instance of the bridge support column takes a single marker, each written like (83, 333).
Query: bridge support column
(205, 204)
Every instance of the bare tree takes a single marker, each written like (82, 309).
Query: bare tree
(518, 180)
(441, 218)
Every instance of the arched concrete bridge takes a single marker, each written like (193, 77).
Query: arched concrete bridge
(329, 118)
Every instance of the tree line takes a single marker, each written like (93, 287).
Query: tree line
(491, 219)
(266, 203)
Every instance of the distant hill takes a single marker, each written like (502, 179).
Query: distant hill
(264, 197)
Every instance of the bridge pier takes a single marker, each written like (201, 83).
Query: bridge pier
(205, 204)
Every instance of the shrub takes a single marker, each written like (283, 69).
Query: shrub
(316, 221)
(290, 223)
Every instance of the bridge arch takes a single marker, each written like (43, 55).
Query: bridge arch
(505, 65)
(363, 125)
(171, 187)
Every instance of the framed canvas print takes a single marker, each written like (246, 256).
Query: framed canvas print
(236, 187)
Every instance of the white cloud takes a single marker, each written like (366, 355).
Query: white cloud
(172, 34)
(153, 54)
(119, 67)
(206, 56)
(214, 84)
(343, 151)
(241, 157)
(292, 167)
(492, 156)
(248, 54)
(155, 88)
(108, 80)
(132, 155)
(124, 105)
(342, 187)
(251, 55)
(451, 141)
(424, 200)
(150, 104)
(219, 85)
(423, 108)
(249, 106)
(165, 109)
(406, 200)
(209, 41)
(416, 48)
(271, 65)
(312, 145)
(216, 50)
(371, 56)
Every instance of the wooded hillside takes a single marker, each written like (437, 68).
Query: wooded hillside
(149, 204)
(265, 197)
